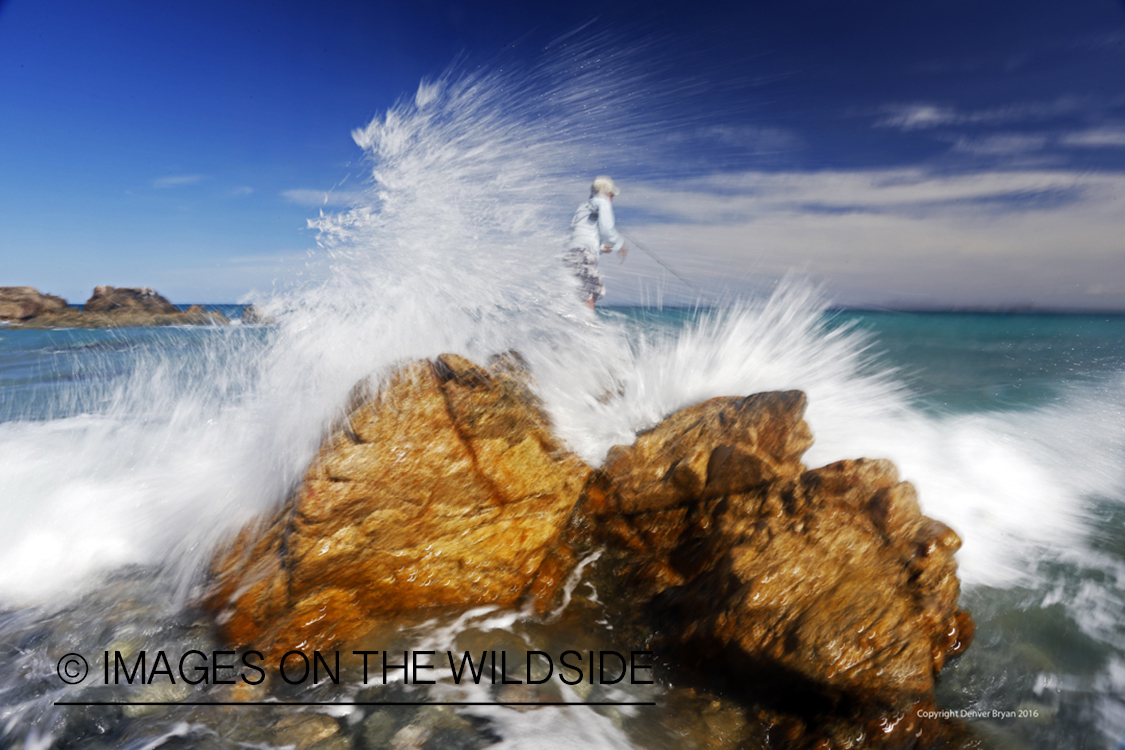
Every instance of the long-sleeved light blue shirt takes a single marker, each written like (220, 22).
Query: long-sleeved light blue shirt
(593, 226)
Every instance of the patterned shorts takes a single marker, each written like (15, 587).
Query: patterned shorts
(584, 264)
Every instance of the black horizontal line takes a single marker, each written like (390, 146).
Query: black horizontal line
(353, 703)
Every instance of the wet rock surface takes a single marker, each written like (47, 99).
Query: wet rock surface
(803, 596)
(821, 602)
(445, 488)
(816, 593)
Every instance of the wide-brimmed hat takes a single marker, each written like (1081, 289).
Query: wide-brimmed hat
(603, 184)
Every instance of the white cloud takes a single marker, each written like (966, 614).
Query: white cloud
(322, 198)
(924, 116)
(1096, 138)
(178, 180)
(999, 237)
(734, 198)
(917, 116)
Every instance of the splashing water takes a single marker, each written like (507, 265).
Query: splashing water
(163, 449)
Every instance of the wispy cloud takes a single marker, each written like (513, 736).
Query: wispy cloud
(241, 191)
(745, 139)
(1001, 144)
(747, 196)
(322, 198)
(924, 116)
(991, 237)
(752, 137)
(1107, 41)
(916, 116)
(1021, 137)
(179, 180)
(1096, 138)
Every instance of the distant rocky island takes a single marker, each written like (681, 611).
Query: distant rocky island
(108, 307)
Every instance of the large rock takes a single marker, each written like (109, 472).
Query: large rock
(821, 598)
(23, 302)
(444, 488)
(107, 299)
(704, 451)
(825, 589)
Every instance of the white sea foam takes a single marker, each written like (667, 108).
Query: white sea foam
(1015, 484)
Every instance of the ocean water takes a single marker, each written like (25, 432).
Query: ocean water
(128, 455)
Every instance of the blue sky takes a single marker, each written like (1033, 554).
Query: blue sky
(904, 154)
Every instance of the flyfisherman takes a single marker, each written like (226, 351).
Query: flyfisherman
(592, 231)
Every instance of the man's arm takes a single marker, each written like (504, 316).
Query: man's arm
(607, 228)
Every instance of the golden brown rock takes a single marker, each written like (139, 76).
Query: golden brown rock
(827, 587)
(444, 488)
(821, 598)
(722, 445)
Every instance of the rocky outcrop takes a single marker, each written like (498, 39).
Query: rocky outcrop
(446, 488)
(108, 307)
(818, 594)
(23, 302)
(705, 451)
(717, 513)
(108, 299)
(822, 598)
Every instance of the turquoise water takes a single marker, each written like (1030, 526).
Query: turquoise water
(1050, 649)
(963, 362)
(56, 373)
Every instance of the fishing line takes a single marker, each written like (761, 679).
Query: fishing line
(664, 265)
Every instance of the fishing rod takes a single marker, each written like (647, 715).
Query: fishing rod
(663, 265)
